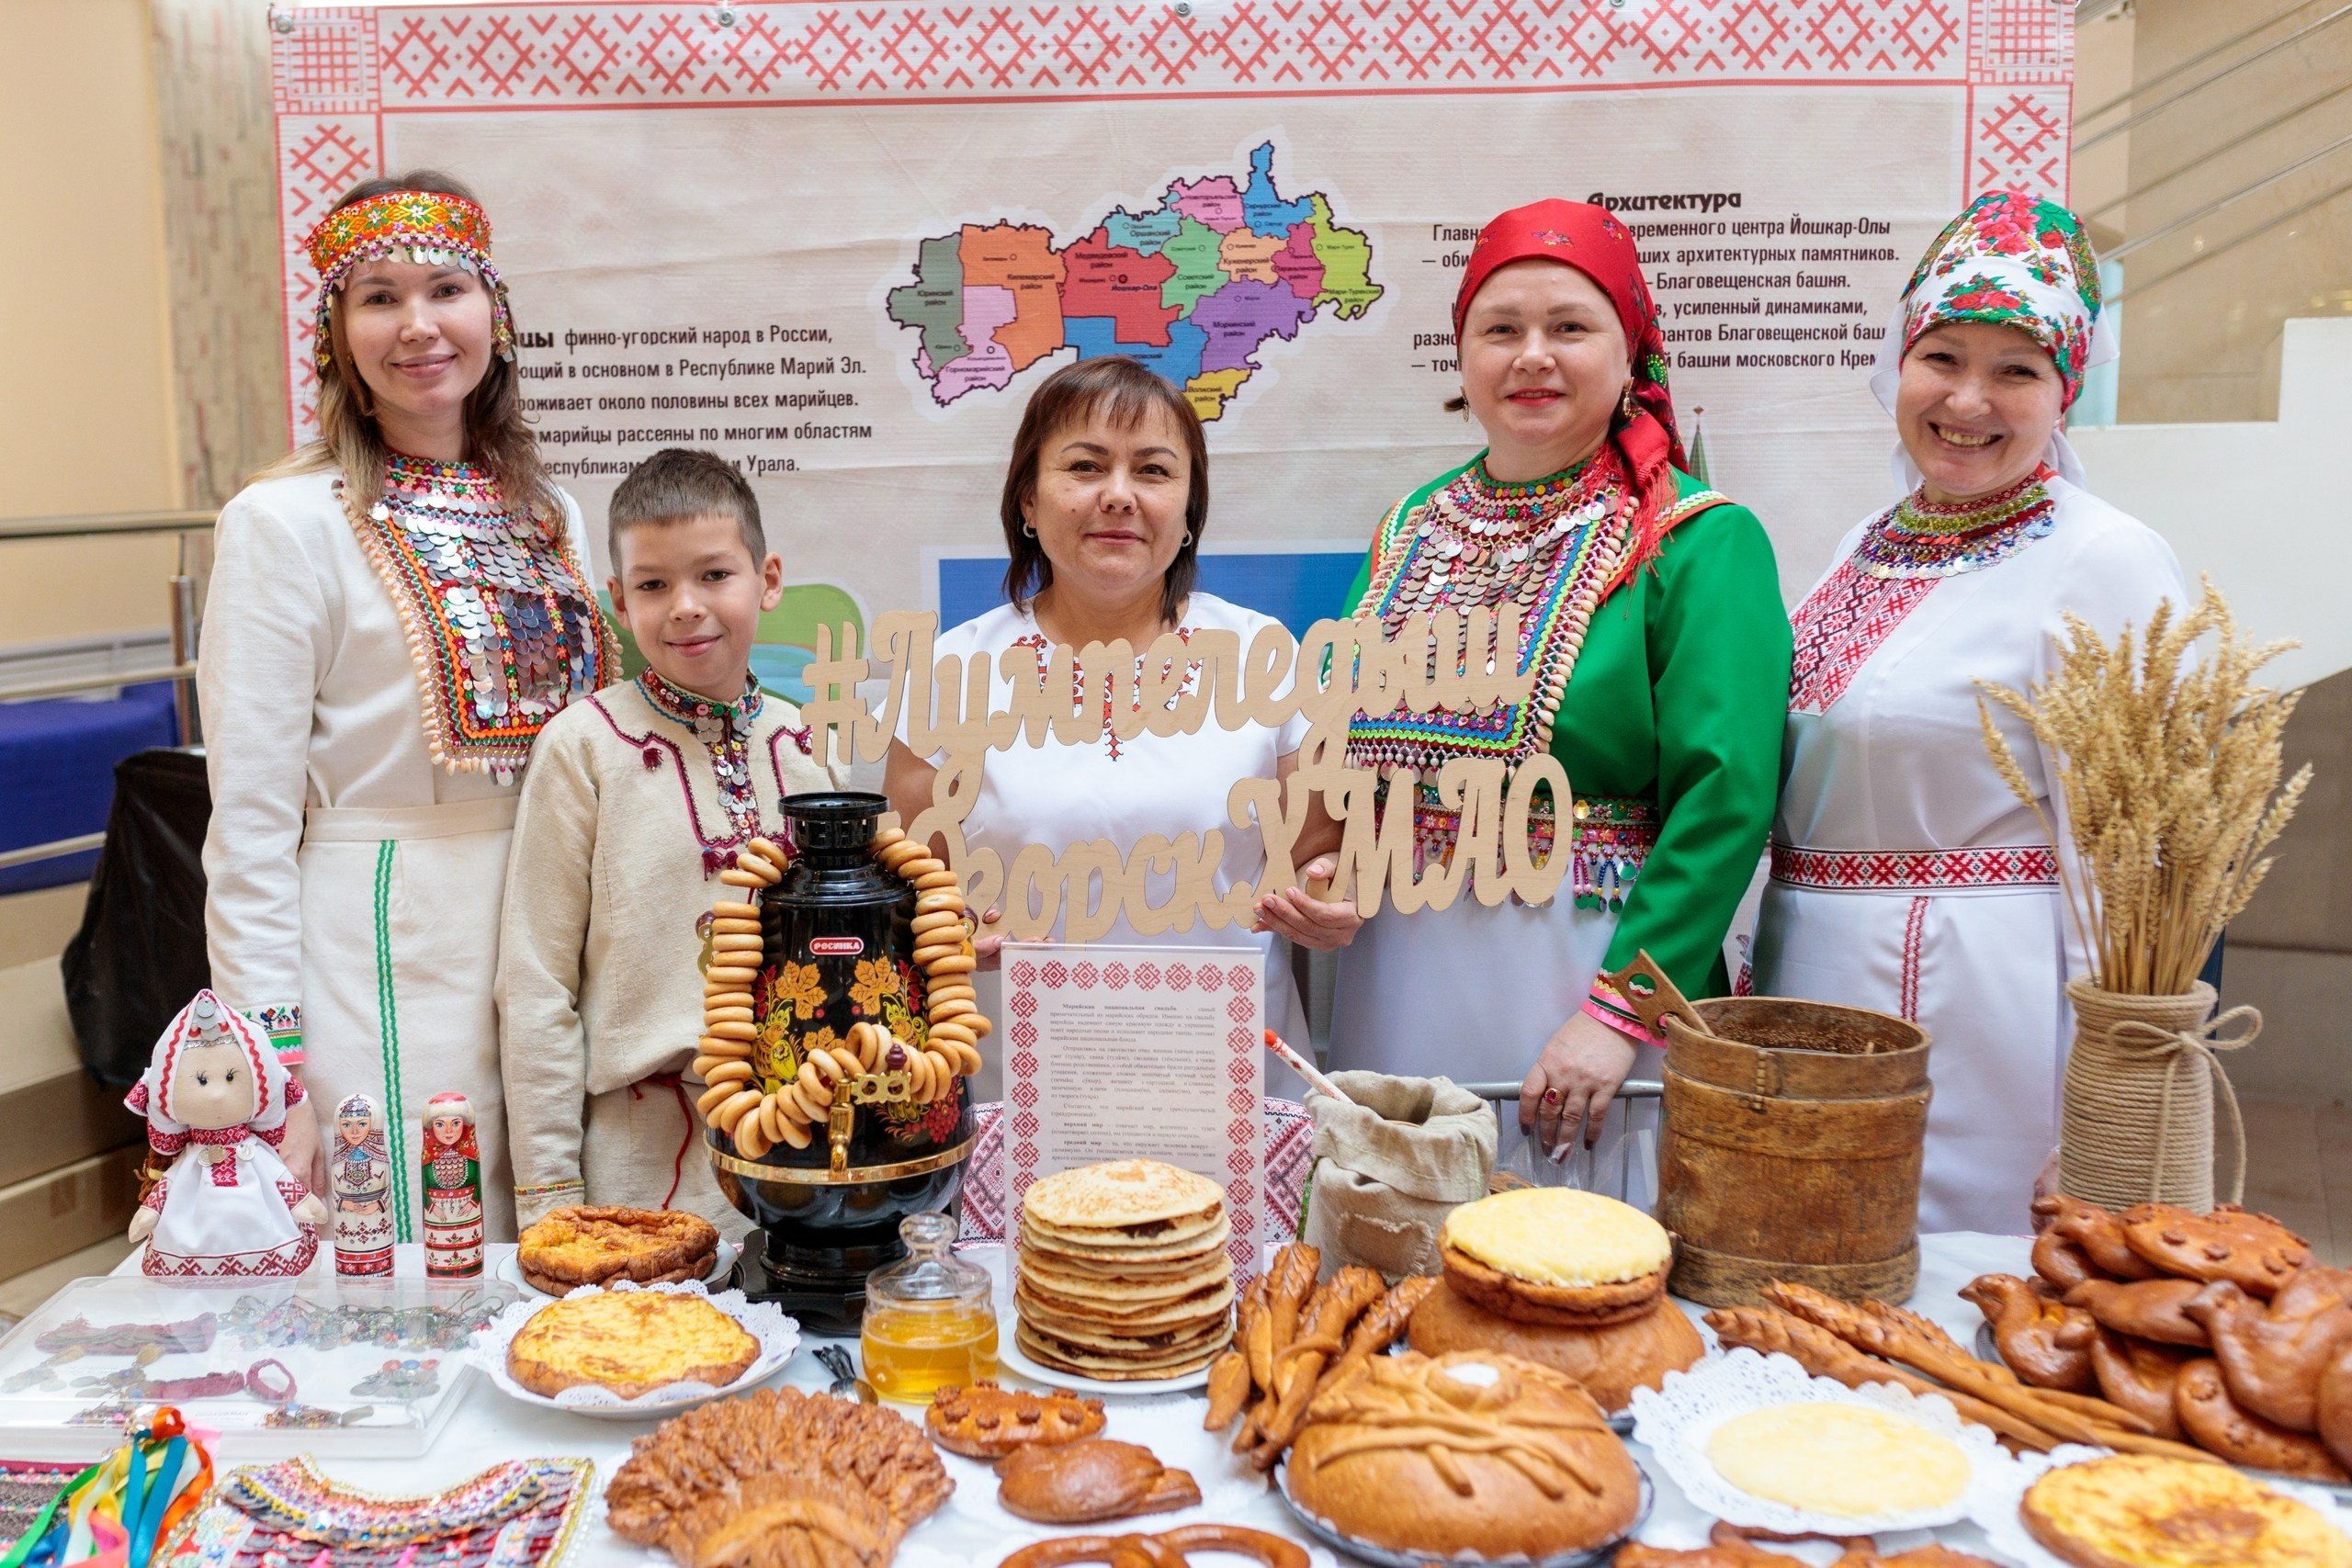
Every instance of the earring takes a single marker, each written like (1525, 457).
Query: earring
(1625, 405)
(1030, 529)
(1188, 541)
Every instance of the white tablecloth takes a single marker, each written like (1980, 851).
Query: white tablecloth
(488, 1427)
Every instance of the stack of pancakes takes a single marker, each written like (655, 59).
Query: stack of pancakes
(1123, 1273)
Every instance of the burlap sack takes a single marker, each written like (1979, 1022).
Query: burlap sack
(1391, 1166)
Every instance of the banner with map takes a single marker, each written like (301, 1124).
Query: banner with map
(841, 244)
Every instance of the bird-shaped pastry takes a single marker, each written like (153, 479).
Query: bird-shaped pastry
(2046, 1342)
(2273, 1353)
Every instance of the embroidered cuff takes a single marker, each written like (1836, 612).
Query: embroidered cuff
(284, 1026)
(550, 1188)
(1606, 1005)
(533, 1204)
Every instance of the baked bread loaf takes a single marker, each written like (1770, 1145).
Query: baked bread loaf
(687, 1479)
(631, 1342)
(586, 1245)
(2141, 1511)
(1471, 1451)
(985, 1421)
(2254, 1252)
(2042, 1339)
(1094, 1478)
(1554, 1255)
(1610, 1360)
(2213, 1421)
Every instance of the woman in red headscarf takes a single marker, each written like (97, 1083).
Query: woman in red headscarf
(1660, 652)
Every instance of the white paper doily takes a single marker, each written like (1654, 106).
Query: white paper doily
(1995, 1508)
(1228, 1481)
(779, 1335)
(1677, 1421)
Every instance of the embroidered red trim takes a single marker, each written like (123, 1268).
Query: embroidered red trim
(1840, 625)
(1914, 927)
(1996, 865)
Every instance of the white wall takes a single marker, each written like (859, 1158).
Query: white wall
(2266, 509)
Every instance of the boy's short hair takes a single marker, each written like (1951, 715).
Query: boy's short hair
(678, 483)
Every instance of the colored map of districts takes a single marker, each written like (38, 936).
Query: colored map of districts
(1193, 289)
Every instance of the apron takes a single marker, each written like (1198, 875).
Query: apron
(400, 947)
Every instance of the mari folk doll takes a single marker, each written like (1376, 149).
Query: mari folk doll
(359, 1172)
(215, 1098)
(452, 1189)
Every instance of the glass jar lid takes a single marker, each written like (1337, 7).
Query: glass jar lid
(931, 1275)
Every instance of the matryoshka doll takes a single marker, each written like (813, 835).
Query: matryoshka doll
(359, 1175)
(452, 1171)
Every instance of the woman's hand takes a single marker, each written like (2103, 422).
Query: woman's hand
(1572, 1083)
(300, 1151)
(1299, 915)
(988, 946)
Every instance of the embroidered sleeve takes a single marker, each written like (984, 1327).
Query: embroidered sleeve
(166, 1144)
(533, 1204)
(1607, 1005)
(153, 1198)
(283, 1023)
(265, 651)
(1718, 653)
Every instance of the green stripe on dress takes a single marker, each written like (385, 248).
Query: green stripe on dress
(387, 1031)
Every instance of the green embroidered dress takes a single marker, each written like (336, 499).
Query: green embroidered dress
(1669, 727)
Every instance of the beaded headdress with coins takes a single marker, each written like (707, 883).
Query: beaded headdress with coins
(429, 226)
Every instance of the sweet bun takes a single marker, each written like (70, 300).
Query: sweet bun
(1609, 1361)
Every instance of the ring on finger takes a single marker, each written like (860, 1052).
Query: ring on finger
(1551, 1096)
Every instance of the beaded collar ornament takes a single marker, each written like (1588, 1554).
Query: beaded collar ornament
(421, 226)
(520, 1514)
(1920, 538)
(501, 622)
(725, 730)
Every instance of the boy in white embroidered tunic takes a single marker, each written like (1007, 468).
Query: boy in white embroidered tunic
(634, 801)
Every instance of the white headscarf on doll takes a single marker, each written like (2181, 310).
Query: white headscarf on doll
(208, 1021)
(2013, 261)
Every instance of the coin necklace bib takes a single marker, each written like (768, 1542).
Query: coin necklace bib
(1550, 547)
(1919, 537)
(501, 622)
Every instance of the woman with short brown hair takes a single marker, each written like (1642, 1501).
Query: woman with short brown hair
(395, 610)
(1104, 502)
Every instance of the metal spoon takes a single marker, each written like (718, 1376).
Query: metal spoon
(846, 1382)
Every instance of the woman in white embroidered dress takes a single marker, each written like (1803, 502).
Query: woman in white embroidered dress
(1104, 501)
(414, 558)
(1906, 875)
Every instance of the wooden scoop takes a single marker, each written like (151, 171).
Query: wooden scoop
(1656, 998)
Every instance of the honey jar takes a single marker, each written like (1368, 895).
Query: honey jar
(930, 1318)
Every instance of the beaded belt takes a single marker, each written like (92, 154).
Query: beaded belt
(1863, 871)
(1613, 836)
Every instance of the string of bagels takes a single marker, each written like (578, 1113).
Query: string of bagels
(758, 1118)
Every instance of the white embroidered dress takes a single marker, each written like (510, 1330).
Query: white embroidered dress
(1058, 795)
(353, 880)
(1906, 877)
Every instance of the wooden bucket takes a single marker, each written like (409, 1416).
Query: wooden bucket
(1790, 1148)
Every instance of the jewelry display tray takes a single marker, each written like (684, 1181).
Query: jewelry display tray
(326, 1332)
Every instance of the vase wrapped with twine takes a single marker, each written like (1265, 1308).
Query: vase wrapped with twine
(2136, 1117)
(2171, 782)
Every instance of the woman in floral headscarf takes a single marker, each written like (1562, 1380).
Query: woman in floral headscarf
(1660, 655)
(1906, 875)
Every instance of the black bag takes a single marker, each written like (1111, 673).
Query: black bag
(139, 954)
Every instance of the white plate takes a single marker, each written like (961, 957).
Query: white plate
(779, 1335)
(1009, 1355)
(510, 1268)
(1676, 1420)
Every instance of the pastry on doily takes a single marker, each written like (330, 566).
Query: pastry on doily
(1088, 1480)
(2252, 1251)
(2142, 1511)
(985, 1421)
(1555, 1255)
(1849, 1460)
(1610, 1360)
(586, 1245)
(675, 1489)
(1469, 1453)
(630, 1342)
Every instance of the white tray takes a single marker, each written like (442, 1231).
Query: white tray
(779, 1335)
(36, 1422)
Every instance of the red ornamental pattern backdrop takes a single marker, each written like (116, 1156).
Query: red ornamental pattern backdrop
(337, 72)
